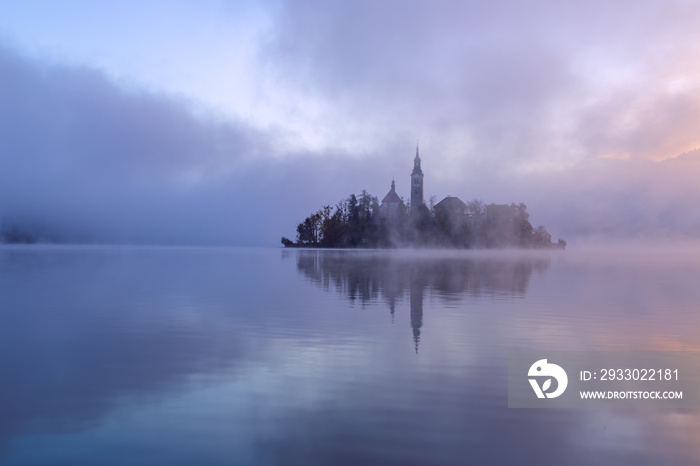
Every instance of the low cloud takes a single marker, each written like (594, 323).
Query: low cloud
(503, 82)
(84, 157)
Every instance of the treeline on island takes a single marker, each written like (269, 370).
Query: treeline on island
(360, 222)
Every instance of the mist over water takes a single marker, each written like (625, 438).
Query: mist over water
(111, 355)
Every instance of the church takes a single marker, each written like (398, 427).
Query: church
(392, 203)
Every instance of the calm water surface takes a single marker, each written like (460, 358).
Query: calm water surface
(141, 356)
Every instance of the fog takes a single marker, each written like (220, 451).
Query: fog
(590, 119)
(85, 158)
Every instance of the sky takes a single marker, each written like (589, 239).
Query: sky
(228, 122)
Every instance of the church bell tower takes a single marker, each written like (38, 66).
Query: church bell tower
(416, 183)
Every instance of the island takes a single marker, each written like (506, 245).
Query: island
(361, 221)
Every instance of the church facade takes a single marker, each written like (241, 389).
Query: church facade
(391, 204)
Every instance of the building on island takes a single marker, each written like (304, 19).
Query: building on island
(391, 204)
(452, 208)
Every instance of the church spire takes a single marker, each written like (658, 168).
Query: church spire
(416, 164)
(416, 182)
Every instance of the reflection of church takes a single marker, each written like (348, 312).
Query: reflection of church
(395, 278)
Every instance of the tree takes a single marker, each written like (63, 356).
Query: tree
(476, 206)
(431, 203)
(332, 230)
(305, 232)
(541, 238)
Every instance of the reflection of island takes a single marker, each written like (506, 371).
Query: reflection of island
(391, 276)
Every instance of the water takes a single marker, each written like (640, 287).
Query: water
(187, 356)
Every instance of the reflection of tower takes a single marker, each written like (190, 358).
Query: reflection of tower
(387, 276)
(416, 303)
(416, 182)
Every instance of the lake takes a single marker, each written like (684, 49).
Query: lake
(215, 356)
